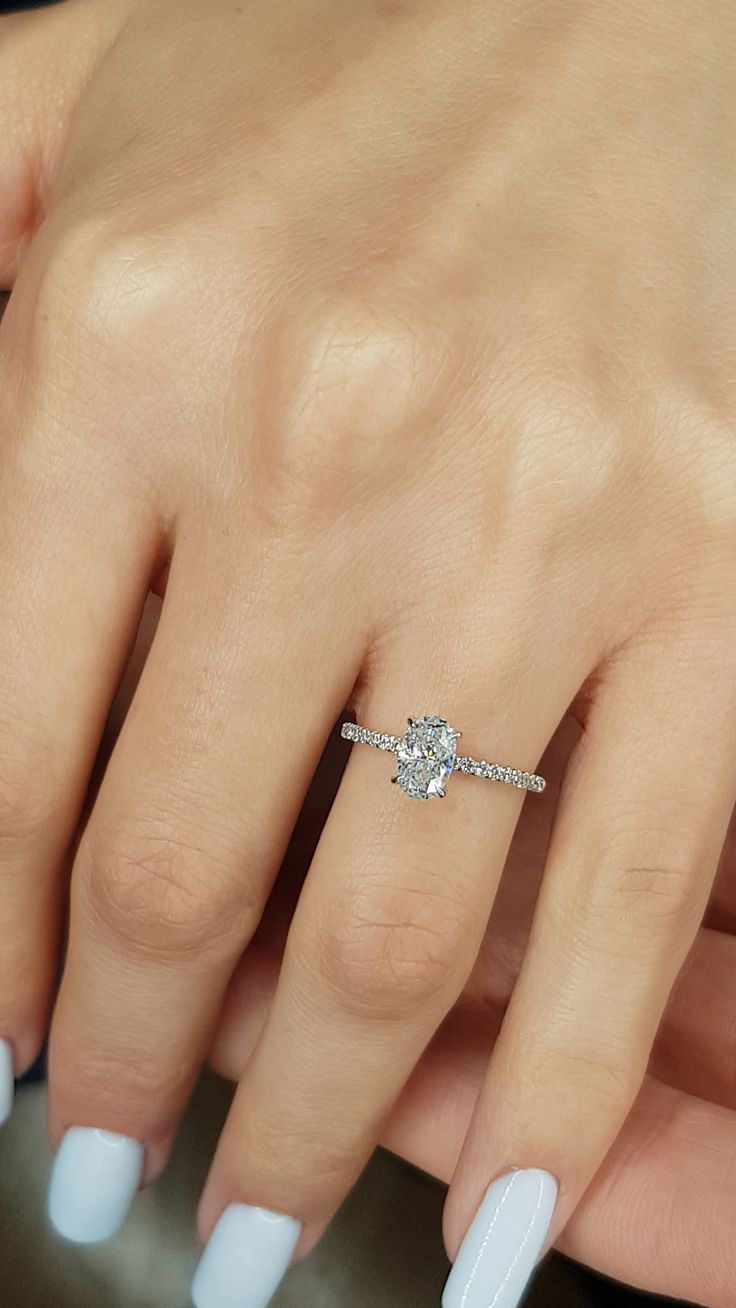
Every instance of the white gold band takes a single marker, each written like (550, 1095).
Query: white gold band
(427, 758)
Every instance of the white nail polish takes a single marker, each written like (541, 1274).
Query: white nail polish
(247, 1257)
(7, 1082)
(507, 1235)
(94, 1180)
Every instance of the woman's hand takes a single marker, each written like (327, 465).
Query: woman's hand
(397, 346)
(660, 1211)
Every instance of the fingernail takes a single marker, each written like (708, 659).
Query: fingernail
(93, 1182)
(500, 1251)
(7, 1081)
(246, 1259)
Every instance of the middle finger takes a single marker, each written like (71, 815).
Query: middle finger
(172, 873)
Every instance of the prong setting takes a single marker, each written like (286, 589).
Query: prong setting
(426, 757)
(438, 754)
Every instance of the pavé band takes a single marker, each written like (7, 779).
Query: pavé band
(428, 756)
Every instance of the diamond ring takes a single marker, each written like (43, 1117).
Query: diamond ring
(428, 756)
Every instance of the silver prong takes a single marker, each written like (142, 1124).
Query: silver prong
(441, 793)
(394, 780)
(410, 721)
(457, 734)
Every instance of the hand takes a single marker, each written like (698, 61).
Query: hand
(397, 348)
(660, 1212)
(677, 1142)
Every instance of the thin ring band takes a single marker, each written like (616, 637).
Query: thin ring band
(428, 756)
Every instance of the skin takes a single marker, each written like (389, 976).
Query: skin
(395, 348)
(680, 1137)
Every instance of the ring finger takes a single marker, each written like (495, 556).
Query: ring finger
(382, 941)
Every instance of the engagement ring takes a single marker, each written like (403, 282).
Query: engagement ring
(427, 757)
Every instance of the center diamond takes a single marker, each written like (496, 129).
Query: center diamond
(426, 757)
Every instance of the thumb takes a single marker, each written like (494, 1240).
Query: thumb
(46, 56)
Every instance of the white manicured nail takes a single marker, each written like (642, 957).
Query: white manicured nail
(7, 1083)
(246, 1259)
(94, 1180)
(500, 1251)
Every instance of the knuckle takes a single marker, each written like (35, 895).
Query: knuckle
(167, 895)
(392, 953)
(610, 1086)
(101, 282)
(658, 896)
(650, 876)
(355, 377)
(285, 1144)
(116, 1082)
(281, 1142)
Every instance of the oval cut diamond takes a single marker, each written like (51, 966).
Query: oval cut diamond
(426, 757)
